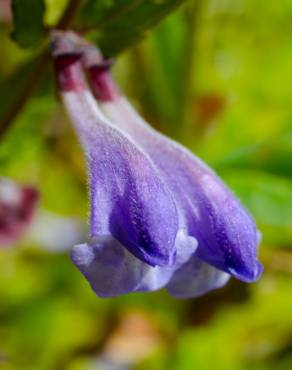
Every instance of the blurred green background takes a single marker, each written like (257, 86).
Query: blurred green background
(216, 76)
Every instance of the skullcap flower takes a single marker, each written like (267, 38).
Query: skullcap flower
(160, 217)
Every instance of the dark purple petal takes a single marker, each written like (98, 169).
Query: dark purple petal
(196, 278)
(228, 229)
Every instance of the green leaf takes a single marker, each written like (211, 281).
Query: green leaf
(269, 198)
(96, 13)
(122, 23)
(28, 18)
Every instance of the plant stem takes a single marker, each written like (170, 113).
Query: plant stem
(68, 14)
(26, 91)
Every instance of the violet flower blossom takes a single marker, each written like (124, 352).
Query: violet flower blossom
(159, 216)
(17, 207)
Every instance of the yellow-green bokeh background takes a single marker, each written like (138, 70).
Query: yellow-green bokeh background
(216, 76)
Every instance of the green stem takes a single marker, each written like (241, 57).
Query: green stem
(26, 91)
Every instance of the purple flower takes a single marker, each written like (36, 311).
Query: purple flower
(17, 206)
(159, 216)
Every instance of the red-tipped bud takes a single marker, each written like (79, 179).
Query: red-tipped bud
(67, 56)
